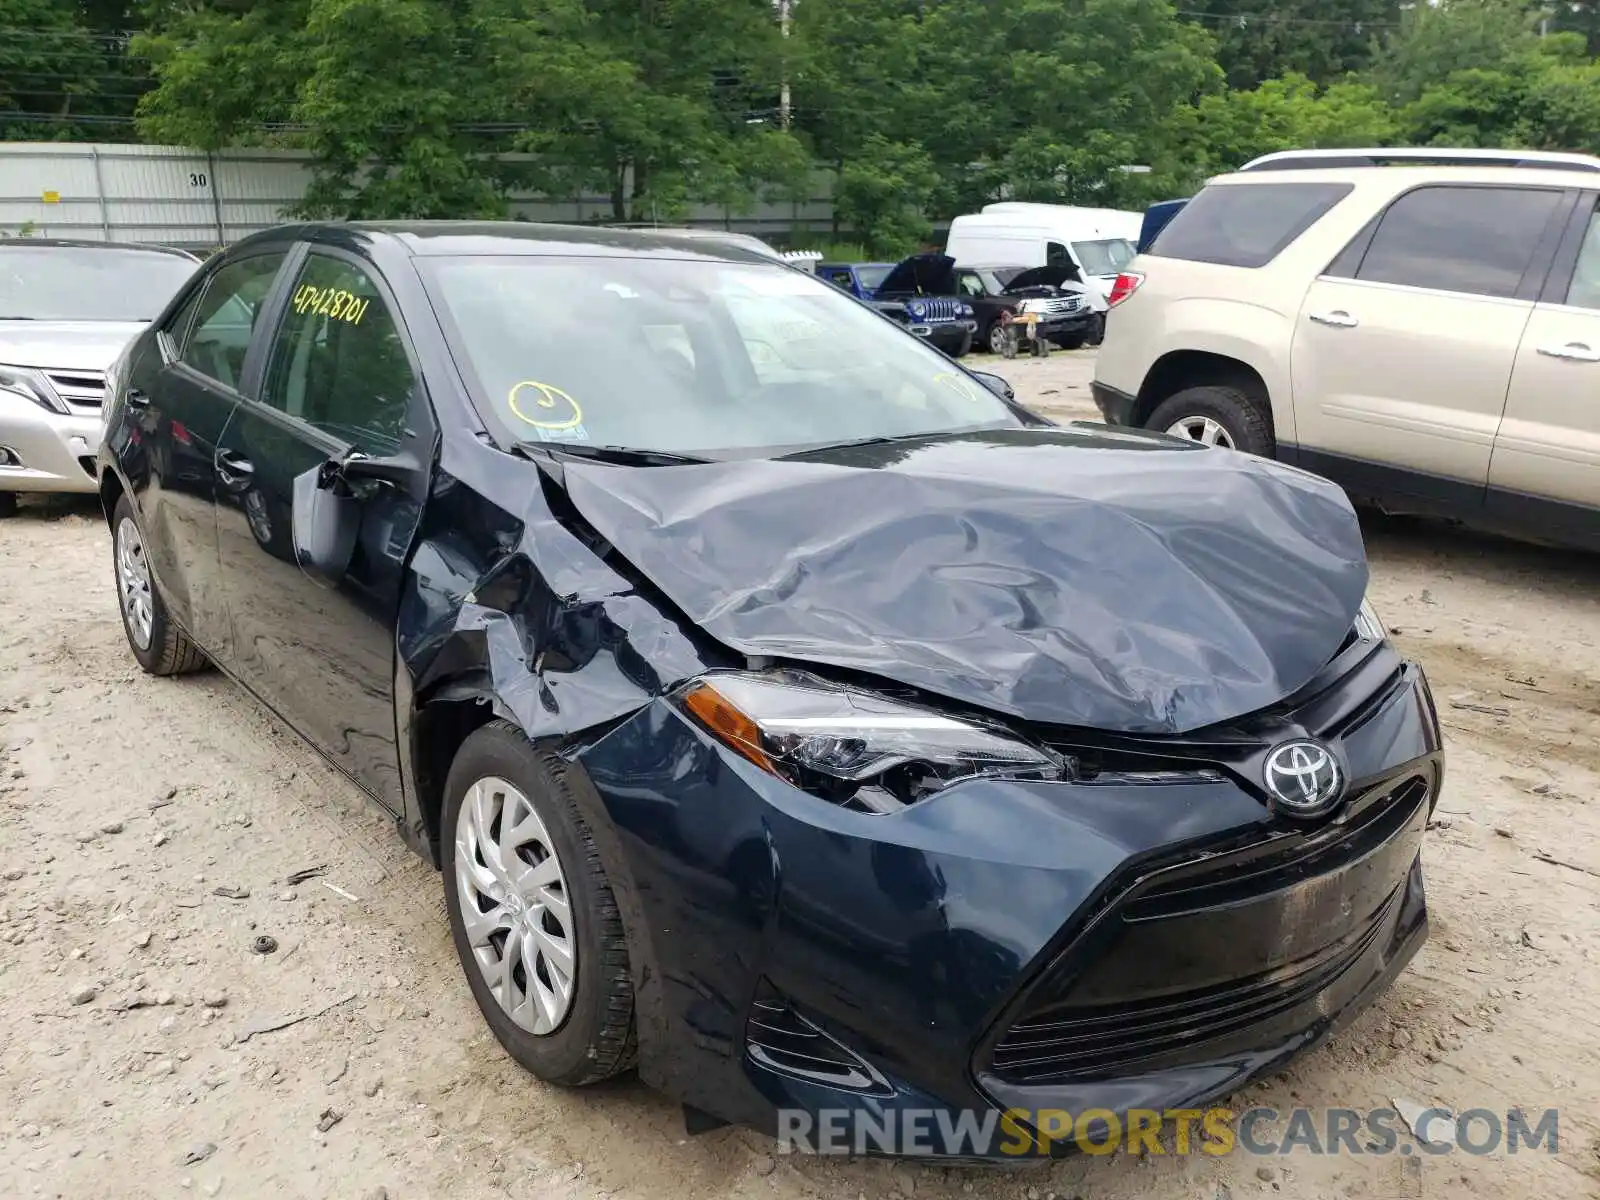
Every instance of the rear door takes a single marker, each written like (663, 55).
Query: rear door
(1545, 471)
(339, 377)
(1404, 346)
(181, 397)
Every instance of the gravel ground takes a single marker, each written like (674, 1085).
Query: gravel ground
(135, 1054)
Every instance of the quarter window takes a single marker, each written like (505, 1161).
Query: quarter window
(338, 362)
(1245, 224)
(225, 316)
(1585, 289)
(1477, 240)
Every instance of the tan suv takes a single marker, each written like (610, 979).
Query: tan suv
(1421, 327)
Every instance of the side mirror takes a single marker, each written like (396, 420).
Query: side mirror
(397, 469)
(326, 520)
(995, 384)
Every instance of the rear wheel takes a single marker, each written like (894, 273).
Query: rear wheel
(1216, 415)
(159, 645)
(532, 913)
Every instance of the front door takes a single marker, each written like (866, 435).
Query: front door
(1402, 355)
(1546, 464)
(320, 650)
(180, 398)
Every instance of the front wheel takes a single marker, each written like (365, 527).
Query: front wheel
(997, 338)
(532, 914)
(156, 641)
(1216, 415)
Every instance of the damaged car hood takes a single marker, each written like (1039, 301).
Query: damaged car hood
(1075, 576)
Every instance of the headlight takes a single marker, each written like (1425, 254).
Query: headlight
(917, 308)
(25, 381)
(1368, 627)
(854, 747)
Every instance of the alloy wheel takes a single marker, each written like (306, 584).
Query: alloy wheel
(515, 905)
(133, 583)
(1203, 430)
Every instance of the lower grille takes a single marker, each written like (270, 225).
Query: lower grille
(1118, 1038)
(778, 1037)
(1199, 955)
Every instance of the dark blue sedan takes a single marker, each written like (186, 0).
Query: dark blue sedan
(791, 715)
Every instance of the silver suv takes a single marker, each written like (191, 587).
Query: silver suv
(67, 309)
(1420, 326)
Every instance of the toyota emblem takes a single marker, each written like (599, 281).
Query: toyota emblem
(1304, 778)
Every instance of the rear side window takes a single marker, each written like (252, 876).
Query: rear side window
(1246, 224)
(1477, 240)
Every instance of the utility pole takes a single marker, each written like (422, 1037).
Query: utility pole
(783, 91)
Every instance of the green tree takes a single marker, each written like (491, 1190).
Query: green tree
(1321, 39)
(1224, 131)
(52, 72)
(1577, 16)
(658, 102)
(1436, 41)
(884, 193)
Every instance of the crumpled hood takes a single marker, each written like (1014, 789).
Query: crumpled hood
(81, 345)
(1078, 576)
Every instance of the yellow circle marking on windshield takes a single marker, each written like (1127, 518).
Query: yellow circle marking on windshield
(549, 398)
(959, 384)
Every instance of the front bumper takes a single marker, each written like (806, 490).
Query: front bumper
(1115, 406)
(952, 337)
(56, 451)
(1003, 946)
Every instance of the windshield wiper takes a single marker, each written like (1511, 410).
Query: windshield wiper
(625, 456)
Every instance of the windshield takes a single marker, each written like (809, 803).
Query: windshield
(691, 357)
(68, 283)
(1106, 257)
(871, 278)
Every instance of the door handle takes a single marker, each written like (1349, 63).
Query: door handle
(1338, 318)
(137, 399)
(1572, 351)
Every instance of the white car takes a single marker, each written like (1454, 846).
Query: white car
(67, 309)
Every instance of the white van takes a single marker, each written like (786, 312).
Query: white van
(1098, 241)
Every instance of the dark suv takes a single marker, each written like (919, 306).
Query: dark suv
(1055, 293)
(734, 658)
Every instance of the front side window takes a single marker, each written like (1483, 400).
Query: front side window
(225, 318)
(1245, 224)
(971, 284)
(1585, 289)
(691, 357)
(1477, 240)
(338, 362)
(88, 283)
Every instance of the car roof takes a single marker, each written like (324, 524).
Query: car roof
(431, 239)
(86, 244)
(1403, 177)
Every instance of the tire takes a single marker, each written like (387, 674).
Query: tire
(593, 1038)
(1217, 414)
(8, 505)
(154, 637)
(995, 339)
(1071, 342)
(1097, 330)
